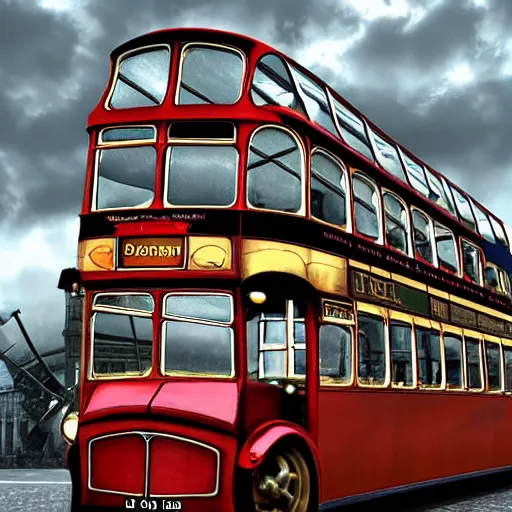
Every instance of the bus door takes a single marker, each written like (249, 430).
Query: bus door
(282, 357)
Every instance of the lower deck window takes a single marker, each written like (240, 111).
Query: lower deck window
(507, 353)
(335, 353)
(122, 344)
(473, 364)
(372, 351)
(401, 354)
(453, 360)
(492, 353)
(429, 357)
(197, 335)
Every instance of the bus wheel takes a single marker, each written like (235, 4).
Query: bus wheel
(282, 483)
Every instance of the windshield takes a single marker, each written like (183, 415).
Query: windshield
(197, 337)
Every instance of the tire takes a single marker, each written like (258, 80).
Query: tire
(283, 483)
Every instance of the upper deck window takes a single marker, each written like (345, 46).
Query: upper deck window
(125, 176)
(422, 236)
(387, 156)
(210, 74)
(272, 84)
(471, 262)
(142, 78)
(416, 176)
(275, 171)
(397, 223)
(352, 130)
(484, 224)
(197, 338)
(328, 189)
(499, 231)
(366, 206)
(202, 170)
(128, 133)
(438, 193)
(446, 248)
(464, 209)
(315, 100)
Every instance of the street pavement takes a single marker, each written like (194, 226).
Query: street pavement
(49, 490)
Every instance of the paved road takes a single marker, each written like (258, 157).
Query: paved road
(49, 491)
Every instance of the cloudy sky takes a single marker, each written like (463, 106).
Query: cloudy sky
(436, 75)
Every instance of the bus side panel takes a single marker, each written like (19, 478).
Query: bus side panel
(375, 439)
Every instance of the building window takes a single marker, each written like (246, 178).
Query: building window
(275, 171)
(429, 357)
(335, 354)
(471, 262)
(422, 229)
(492, 353)
(474, 364)
(372, 350)
(328, 189)
(397, 223)
(210, 75)
(142, 79)
(446, 248)
(401, 354)
(453, 360)
(366, 206)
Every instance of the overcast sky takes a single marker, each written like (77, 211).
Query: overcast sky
(435, 75)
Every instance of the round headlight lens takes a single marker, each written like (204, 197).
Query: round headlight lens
(69, 427)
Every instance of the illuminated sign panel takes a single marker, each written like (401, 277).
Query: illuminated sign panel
(151, 253)
(336, 312)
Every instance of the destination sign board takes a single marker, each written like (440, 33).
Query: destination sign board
(161, 252)
(386, 292)
(398, 296)
(337, 312)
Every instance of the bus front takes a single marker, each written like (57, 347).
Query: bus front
(159, 389)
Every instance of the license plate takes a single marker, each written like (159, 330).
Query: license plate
(139, 504)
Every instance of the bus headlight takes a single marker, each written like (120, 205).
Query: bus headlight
(69, 427)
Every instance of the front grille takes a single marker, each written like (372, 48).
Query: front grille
(152, 464)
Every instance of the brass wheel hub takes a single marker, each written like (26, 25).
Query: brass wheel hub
(282, 484)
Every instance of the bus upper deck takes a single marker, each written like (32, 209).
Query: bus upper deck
(197, 119)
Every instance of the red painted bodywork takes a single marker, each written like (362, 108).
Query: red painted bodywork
(379, 439)
(175, 469)
(214, 403)
(269, 435)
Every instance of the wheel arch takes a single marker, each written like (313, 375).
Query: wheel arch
(278, 433)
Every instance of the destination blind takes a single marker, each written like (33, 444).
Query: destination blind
(398, 296)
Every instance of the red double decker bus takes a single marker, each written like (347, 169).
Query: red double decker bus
(283, 307)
